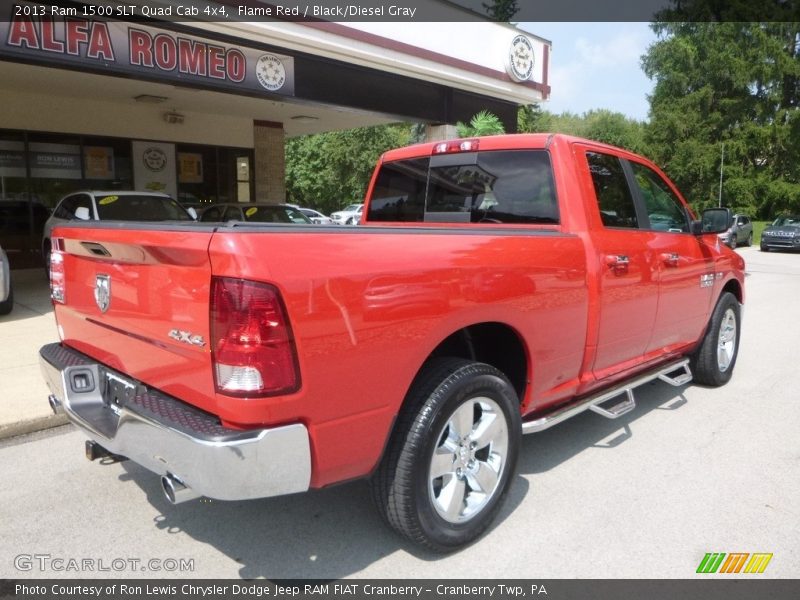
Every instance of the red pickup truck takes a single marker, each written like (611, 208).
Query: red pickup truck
(499, 286)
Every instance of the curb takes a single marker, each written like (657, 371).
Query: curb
(32, 425)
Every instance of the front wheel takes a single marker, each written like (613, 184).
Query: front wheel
(712, 364)
(452, 456)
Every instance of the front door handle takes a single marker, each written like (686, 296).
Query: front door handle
(618, 261)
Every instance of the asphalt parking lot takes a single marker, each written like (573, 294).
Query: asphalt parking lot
(690, 471)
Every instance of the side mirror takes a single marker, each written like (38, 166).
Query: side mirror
(713, 220)
(192, 212)
(82, 213)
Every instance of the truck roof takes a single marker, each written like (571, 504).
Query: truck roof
(509, 141)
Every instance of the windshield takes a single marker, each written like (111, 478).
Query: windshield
(274, 214)
(135, 207)
(352, 208)
(787, 220)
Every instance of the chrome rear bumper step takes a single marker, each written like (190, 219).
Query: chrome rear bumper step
(676, 374)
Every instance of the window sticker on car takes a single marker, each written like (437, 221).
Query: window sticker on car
(107, 200)
(250, 212)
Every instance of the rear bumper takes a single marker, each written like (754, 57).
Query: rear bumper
(170, 437)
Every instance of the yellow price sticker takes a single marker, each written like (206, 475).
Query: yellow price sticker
(250, 211)
(107, 200)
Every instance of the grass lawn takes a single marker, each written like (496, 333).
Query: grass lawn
(758, 227)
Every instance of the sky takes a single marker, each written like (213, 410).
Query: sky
(597, 65)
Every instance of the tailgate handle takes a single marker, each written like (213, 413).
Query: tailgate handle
(96, 249)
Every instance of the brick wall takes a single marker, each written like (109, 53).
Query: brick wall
(270, 162)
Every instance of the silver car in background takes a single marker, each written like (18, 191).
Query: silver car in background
(6, 291)
(350, 215)
(315, 216)
(740, 233)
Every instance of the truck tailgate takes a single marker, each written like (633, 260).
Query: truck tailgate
(137, 300)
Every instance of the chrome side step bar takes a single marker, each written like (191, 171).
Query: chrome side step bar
(676, 374)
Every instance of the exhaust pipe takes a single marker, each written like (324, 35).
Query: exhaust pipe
(176, 491)
(55, 405)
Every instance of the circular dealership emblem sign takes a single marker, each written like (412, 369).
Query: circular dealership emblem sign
(270, 72)
(519, 62)
(154, 159)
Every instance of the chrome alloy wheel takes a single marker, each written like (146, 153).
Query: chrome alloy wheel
(726, 343)
(468, 462)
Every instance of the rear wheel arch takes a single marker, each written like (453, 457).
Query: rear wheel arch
(493, 343)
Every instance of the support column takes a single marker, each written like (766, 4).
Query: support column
(439, 132)
(270, 162)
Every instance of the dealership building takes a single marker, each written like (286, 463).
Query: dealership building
(202, 110)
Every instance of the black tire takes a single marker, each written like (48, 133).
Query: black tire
(764, 248)
(732, 243)
(410, 498)
(713, 362)
(749, 240)
(8, 304)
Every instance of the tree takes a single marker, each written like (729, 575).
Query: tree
(601, 125)
(502, 10)
(735, 84)
(483, 123)
(329, 170)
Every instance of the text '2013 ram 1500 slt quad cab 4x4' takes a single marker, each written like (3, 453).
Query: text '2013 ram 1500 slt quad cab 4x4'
(499, 286)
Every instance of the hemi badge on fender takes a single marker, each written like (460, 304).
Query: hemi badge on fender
(706, 280)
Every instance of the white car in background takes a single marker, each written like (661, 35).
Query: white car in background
(113, 205)
(350, 215)
(6, 291)
(315, 216)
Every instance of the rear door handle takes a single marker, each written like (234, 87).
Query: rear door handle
(671, 259)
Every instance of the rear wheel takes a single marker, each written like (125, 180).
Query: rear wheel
(713, 362)
(750, 239)
(452, 456)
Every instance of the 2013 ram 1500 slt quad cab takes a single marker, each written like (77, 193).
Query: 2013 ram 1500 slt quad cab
(497, 286)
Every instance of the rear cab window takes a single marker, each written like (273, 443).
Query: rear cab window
(491, 187)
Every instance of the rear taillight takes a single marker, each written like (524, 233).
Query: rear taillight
(252, 343)
(57, 292)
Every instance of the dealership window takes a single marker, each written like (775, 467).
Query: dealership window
(54, 163)
(197, 175)
(38, 169)
(107, 163)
